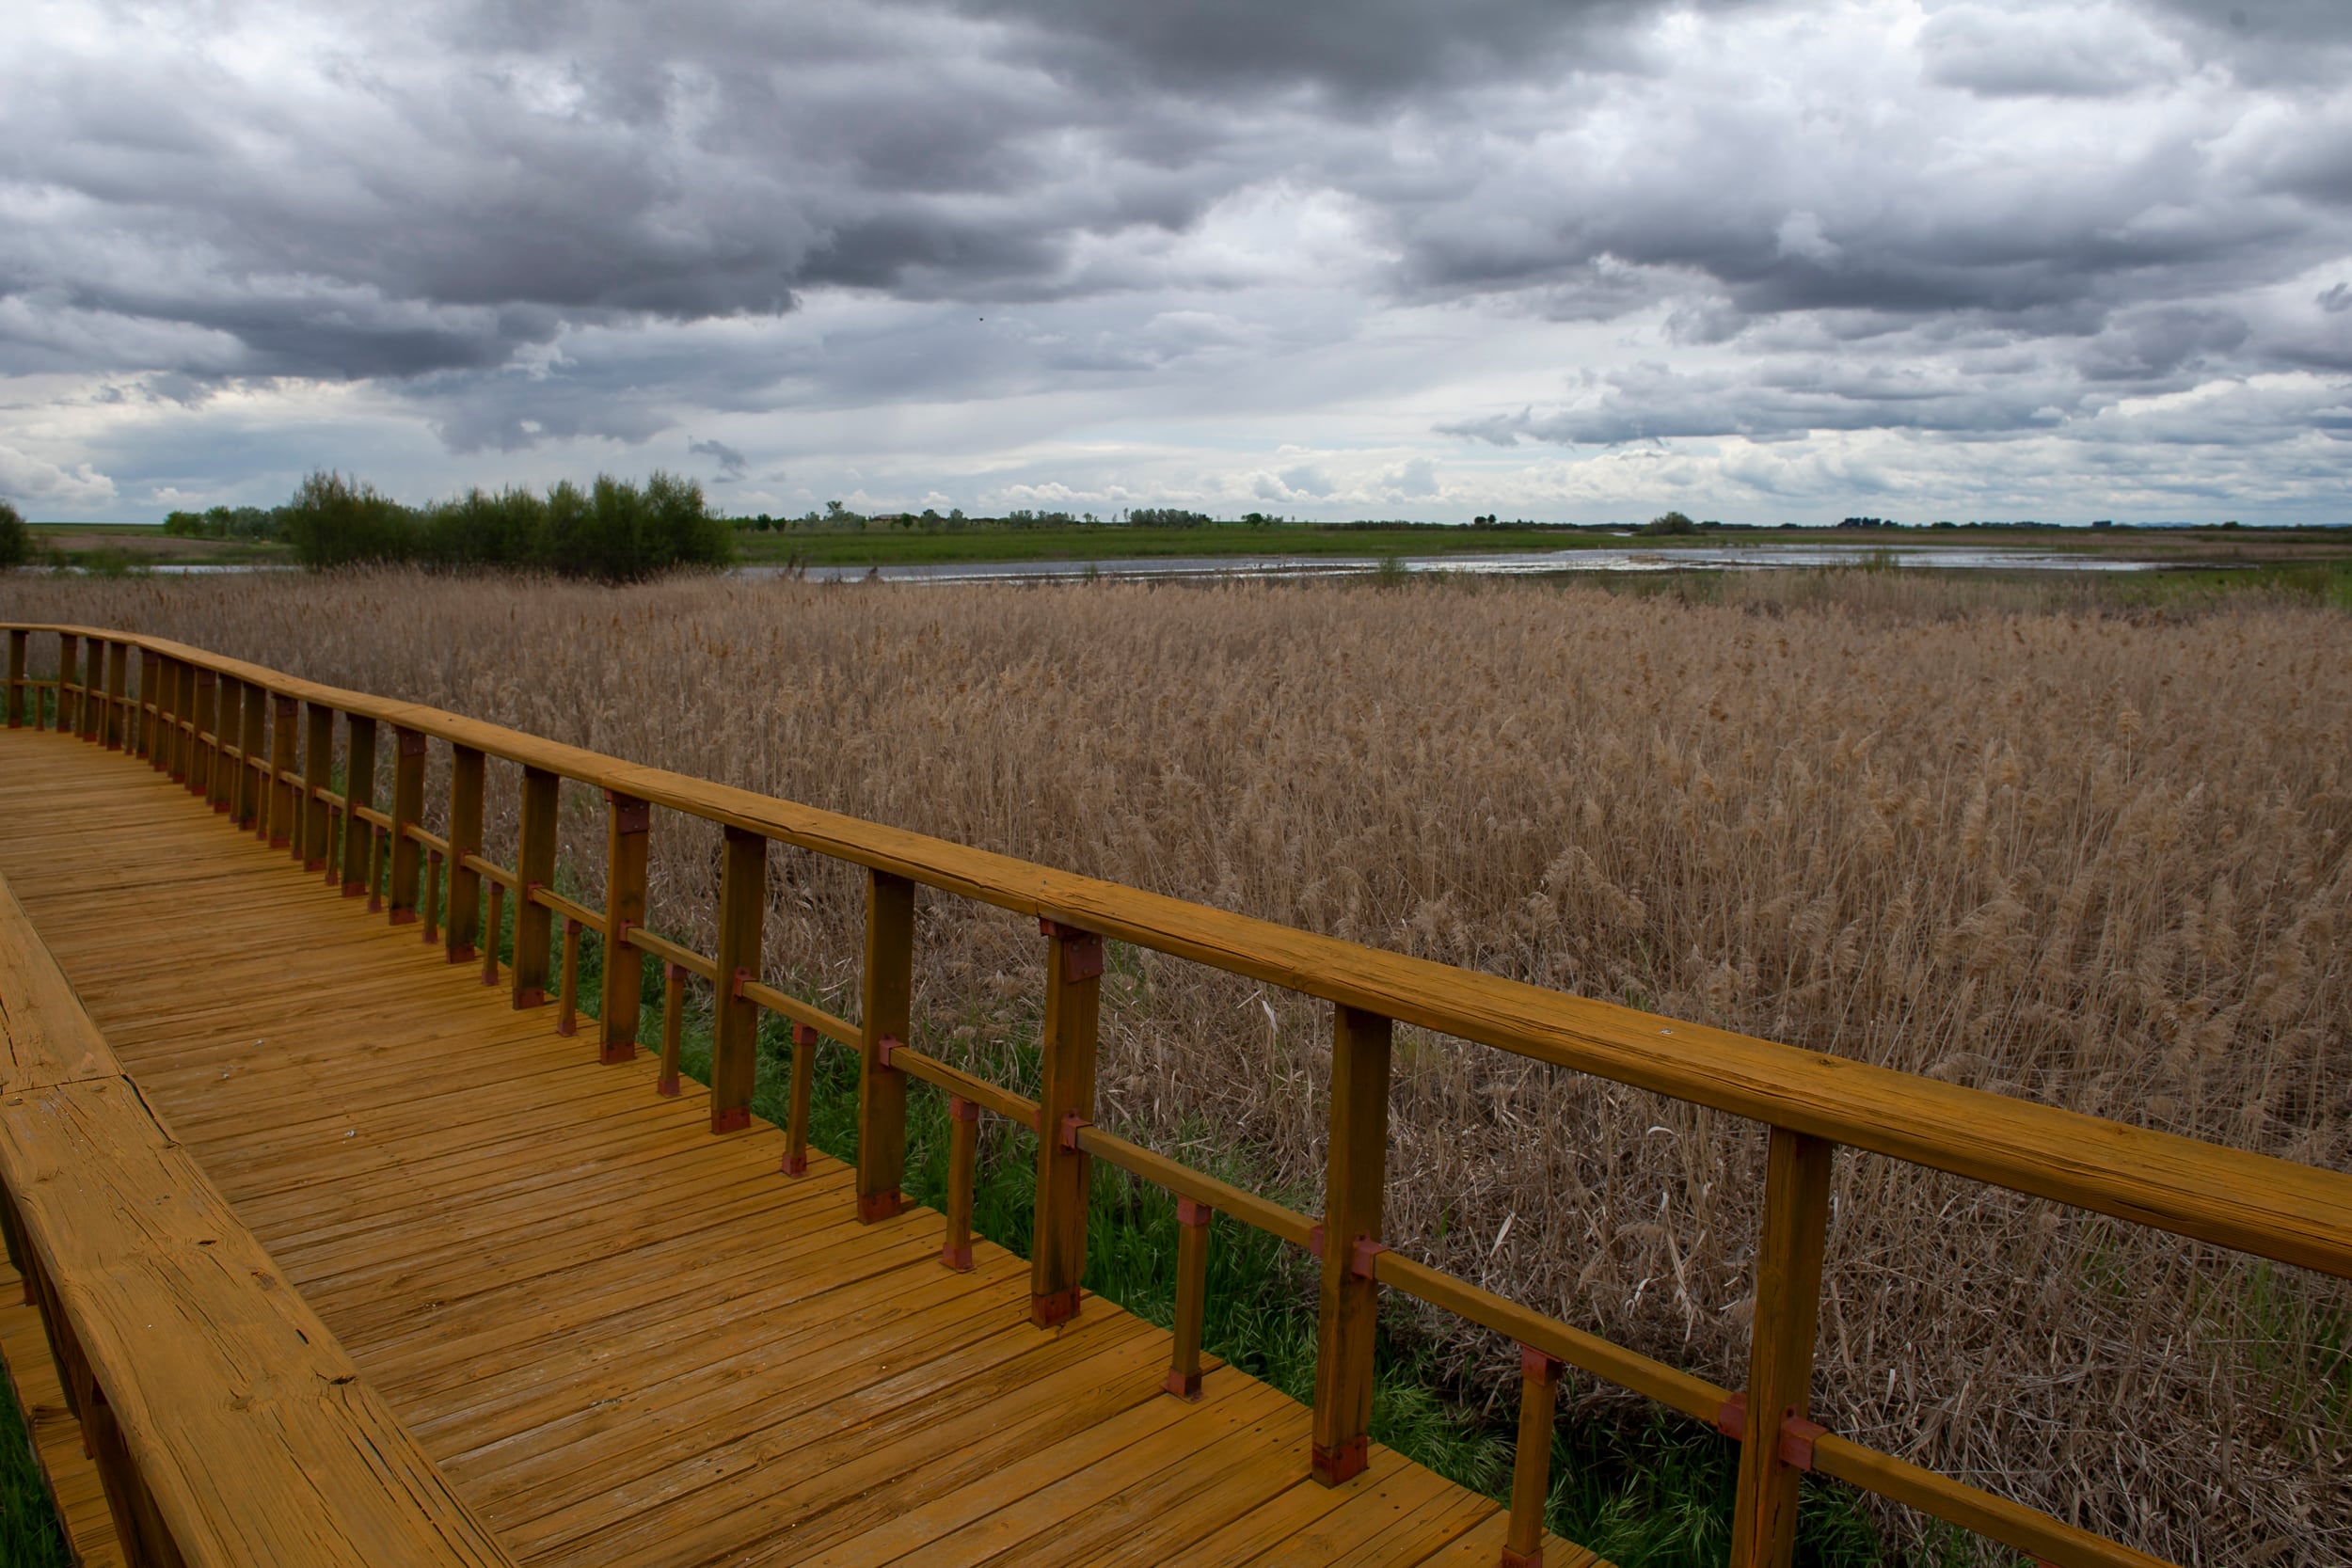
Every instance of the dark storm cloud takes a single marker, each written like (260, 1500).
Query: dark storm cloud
(536, 222)
(1371, 49)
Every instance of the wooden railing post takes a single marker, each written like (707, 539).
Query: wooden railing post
(963, 1119)
(1355, 1169)
(224, 786)
(318, 772)
(1531, 1468)
(1193, 1221)
(151, 692)
(534, 868)
(735, 1030)
(1780, 1345)
(117, 684)
(797, 1102)
(220, 775)
(179, 696)
(672, 1016)
(888, 1012)
(94, 689)
(359, 791)
(68, 706)
(166, 746)
(284, 730)
(463, 926)
(1074, 994)
(407, 812)
(567, 995)
(628, 831)
(252, 739)
(202, 757)
(18, 643)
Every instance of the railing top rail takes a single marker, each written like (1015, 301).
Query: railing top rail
(249, 1430)
(2255, 1203)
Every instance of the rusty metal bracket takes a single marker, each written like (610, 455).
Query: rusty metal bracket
(1190, 1212)
(883, 1047)
(630, 813)
(1359, 1255)
(411, 742)
(1796, 1440)
(1071, 1122)
(1536, 1364)
(1081, 951)
(1797, 1435)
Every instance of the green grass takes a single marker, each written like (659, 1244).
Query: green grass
(30, 1536)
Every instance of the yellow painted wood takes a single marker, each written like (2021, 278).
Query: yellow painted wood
(1780, 1344)
(628, 834)
(887, 1014)
(621, 1340)
(534, 868)
(1067, 1041)
(1347, 1316)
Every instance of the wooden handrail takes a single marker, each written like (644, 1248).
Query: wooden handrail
(1811, 1102)
(2253, 1203)
(227, 1425)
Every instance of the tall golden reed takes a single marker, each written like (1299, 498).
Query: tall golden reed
(1993, 836)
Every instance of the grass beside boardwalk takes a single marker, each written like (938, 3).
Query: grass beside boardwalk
(30, 1535)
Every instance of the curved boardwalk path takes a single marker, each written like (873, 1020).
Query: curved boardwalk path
(625, 1341)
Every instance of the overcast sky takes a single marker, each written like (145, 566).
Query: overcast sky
(1355, 259)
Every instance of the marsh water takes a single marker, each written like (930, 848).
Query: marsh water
(1766, 557)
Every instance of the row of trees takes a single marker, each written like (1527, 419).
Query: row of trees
(259, 523)
(615, 530)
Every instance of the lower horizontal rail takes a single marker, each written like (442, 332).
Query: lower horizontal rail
(546, 898)
(491, 869)
(1679, 1390)
(1182, 1179)
(668, 951)
(979, 1091)
(803, 1013)
(2013, 1524)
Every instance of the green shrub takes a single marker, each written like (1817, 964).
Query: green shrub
(335, 521)
(16, 540)
(615, 530)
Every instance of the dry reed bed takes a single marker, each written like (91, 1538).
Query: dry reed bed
(2093, 859)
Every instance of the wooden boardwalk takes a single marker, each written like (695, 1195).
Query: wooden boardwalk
(623, 1339)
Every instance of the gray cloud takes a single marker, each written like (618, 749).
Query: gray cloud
(523, 226)
(731, 462)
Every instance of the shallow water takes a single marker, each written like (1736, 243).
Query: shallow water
(1516, 564)
(1757, 557)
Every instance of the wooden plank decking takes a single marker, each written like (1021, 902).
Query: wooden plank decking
(623, 1339)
